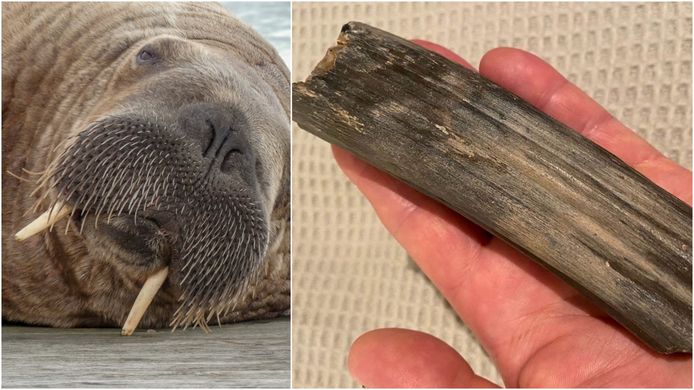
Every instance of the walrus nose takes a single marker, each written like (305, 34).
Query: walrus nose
(221, 133)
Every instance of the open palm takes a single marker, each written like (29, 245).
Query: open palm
(538, 330)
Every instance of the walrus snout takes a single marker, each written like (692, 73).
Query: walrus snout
(198, 173)
(222, 135)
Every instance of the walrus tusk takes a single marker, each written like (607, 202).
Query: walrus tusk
(143, 300)
(44, 221)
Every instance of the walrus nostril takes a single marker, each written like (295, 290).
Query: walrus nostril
(221, 133)
(233, 159)
(219, 146)
(229, 151)
(211, 137)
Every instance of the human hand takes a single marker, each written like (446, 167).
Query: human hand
(538, 330)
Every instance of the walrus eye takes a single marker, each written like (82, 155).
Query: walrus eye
(146, 54)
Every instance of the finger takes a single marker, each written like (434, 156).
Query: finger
(444, 52)
(668, 175)
(407, 358)
(539, 84)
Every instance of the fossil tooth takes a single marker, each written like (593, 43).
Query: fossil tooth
(567, 203)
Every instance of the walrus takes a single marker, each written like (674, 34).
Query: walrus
(152, 141)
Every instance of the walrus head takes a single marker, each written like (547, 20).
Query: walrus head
(181, 162)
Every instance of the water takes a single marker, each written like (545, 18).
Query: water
(271, 19)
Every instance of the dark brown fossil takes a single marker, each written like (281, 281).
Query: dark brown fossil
(554, 195)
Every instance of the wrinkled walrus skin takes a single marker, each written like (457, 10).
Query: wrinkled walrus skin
(165, 127)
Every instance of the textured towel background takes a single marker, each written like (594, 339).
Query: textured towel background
(349, 276)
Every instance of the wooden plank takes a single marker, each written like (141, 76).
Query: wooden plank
(249, 354)
(554, 195)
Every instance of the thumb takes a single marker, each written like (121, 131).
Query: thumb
(407, 358)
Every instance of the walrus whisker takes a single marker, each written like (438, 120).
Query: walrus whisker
(118, 179)
(67, 225)
(105, 194)
(18, 177)
(40, 186)
(143, 300)
(44, 221)
(33, 172)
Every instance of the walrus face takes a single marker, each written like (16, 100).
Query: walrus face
(181, 167)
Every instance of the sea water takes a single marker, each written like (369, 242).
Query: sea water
(271, 19)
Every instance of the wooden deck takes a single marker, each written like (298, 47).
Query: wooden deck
(251, 354)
